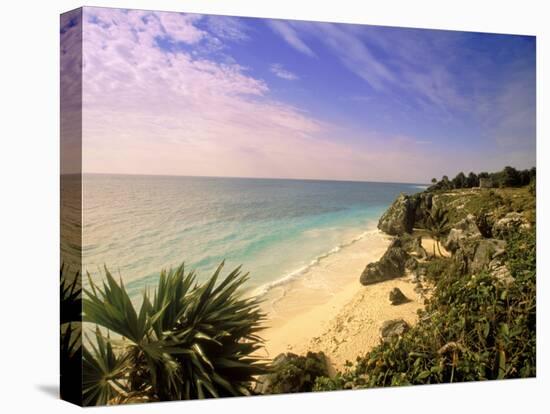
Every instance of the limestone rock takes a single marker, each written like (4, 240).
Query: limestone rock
(477, 255)
(399, 217)
(390, 266)
(485, 251)
(397, 297)
(465, 229)
(501, 273)
(509, 223)
(461, 259)
(424, 204)
(393, 328)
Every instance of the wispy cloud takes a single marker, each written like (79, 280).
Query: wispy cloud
(278, 70)
(354, 54)
(155, 111)
(364, 51)
(180, 27)
(290, 35)
(227, 28)
(169, 93)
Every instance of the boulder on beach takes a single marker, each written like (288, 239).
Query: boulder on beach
(390, 266)
(393, 328)
(397, 297)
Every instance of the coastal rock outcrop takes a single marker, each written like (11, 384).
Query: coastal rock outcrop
(486, 250)
(509, 223)
(423, 205)
(405, 213)
(397, 297)
(390, 266)
(293, 373)
(399, 217)
(465, 230)
(393, 328)
(479, 254)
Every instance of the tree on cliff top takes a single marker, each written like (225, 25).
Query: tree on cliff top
(459, 181)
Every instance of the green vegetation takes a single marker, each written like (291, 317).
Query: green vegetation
(294, 373)
(476, 325)
(493, 203)
(71, 333)
(190, 340)
(508, 177)
(185, 341)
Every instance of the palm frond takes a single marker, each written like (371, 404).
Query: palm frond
(104, 372)
(112, 308)
(187, 341)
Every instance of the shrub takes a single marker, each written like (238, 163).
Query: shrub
(185, 341)
(474, 327)
(295, 373)
(436, 268)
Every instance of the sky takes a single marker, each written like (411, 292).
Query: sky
(185, 94)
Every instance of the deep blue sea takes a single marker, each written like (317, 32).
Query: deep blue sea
(274, 228)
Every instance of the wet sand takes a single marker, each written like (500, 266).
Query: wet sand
(327, 309)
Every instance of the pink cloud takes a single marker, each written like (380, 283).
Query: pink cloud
(138, 98)
(149, 111)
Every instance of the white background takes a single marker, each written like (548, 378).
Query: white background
(29, 234)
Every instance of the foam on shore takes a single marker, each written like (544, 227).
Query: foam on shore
(291, 276)
(327, 309)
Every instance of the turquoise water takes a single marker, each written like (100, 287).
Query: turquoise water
(274, 228)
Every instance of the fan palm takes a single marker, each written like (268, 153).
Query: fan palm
(438, 225)
(186, 341)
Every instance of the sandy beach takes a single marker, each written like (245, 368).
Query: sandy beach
(327, 309)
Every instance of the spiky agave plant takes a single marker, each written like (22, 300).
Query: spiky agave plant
(438, 226)
(186, 341)
(70, 335)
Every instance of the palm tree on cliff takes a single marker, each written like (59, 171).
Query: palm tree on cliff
(438, 225)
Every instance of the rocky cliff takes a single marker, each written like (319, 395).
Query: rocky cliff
(479, 220)
(406, 212)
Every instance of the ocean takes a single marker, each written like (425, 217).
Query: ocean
(274, 228)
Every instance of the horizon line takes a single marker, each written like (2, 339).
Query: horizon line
(249, 178)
